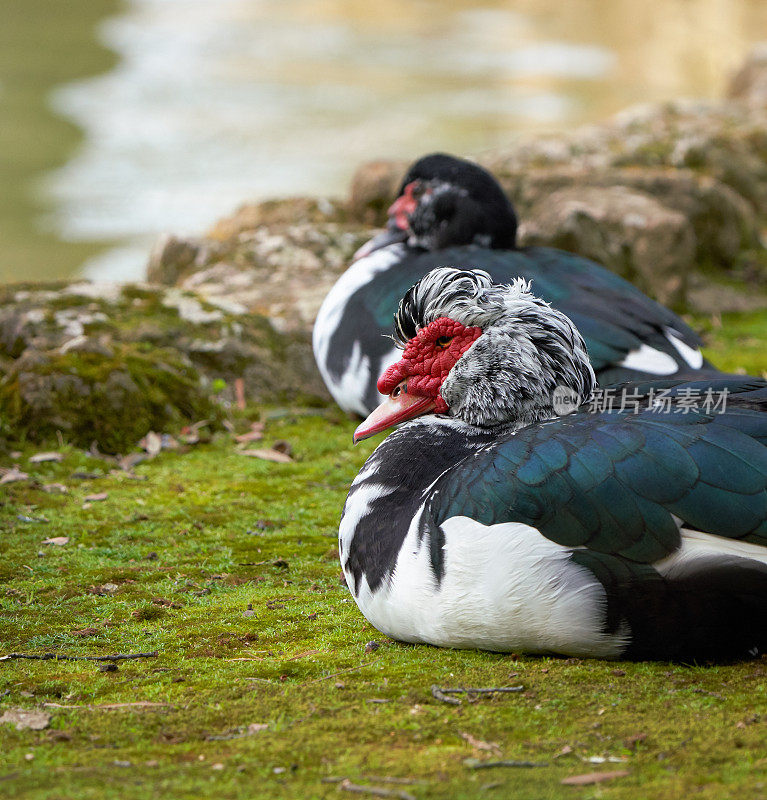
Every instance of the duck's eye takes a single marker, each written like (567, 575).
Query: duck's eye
(397, 391)
(443, 342)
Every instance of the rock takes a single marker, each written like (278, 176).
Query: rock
(749, 84)
(282, 272)
(627, 231)
(145, 359)
(111, 400)
(724, 223)
(374, 186)
(170, 258)
(290, 211)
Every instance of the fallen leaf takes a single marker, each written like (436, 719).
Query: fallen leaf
(24, 718)
(632, 741)
(479, 744)
(594, 777)
(128, 462)
(104, 589)
(257, 727)
(95, 498)
(55, 488)
(565, 751)
(152, 443)
(60, 541)
(268, 455)
(85, 632)
(255, 434)
(12, 475)
(38, 458)
(162, 601)
(305, 654)
(169, 442)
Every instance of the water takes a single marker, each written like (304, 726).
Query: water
(215, 103)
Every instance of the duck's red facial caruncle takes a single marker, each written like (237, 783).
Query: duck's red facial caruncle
(414, 382)
(400, 210)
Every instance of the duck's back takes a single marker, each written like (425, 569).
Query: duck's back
(628, 335)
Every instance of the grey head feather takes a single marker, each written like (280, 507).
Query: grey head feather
(527, 353)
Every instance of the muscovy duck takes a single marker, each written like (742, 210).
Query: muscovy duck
(636, 529)
(451, 211)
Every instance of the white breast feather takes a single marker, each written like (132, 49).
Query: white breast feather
(506, 587)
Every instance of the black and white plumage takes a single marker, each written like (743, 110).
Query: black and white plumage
(451, 211)
(496, 524)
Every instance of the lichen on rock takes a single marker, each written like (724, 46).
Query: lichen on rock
(109, 399)
(111, 366)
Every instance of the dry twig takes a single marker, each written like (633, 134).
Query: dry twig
(378, 791)
(475, 763)
(438, 694)
(489, 690)
(63, 657)
(341, 672)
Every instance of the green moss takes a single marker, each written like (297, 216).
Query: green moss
(112, 399)
(735, 341)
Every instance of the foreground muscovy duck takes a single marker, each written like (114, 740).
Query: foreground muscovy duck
(487, 521)
(451, 211)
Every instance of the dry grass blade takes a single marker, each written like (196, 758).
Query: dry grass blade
(594, 777)
(12, 475)
(268, 455)
(39, 458)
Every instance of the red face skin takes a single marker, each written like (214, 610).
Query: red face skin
(414, 382)
(403, 207)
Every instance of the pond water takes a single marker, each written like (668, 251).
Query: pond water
(213, 103)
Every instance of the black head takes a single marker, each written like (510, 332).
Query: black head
(446, 201)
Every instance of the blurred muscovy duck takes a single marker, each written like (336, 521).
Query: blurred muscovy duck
(637, 530)
(451, 211)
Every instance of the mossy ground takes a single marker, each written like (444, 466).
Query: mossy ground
(208, 533)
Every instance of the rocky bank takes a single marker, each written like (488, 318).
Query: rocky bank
(672, 197)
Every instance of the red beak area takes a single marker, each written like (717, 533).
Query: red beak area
(392, 411)
(401, 209)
